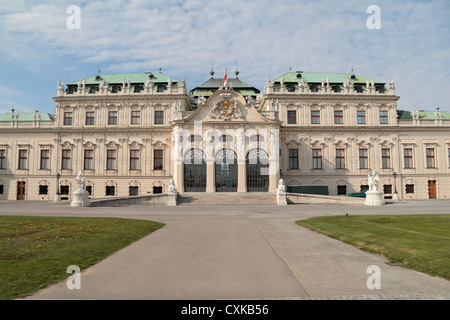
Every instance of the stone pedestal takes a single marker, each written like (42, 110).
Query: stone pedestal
(395, 196)
(58, 197)
(281, 199)
(80, 199)
(374, 198)
(172, 198)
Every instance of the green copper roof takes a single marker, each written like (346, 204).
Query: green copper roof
(118, 78)
(318, 76)
(424, 115)
(25, 116)
(215, 83)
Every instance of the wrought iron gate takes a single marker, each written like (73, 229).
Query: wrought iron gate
(257, 165)
(226, 171)
(194, 171)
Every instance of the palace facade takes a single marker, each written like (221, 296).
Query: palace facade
(131, 134)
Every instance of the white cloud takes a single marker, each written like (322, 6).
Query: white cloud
(264, 37)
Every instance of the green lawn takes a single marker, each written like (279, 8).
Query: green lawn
(421, 242)
(36, 251)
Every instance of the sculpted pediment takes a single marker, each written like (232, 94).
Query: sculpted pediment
(226, 106)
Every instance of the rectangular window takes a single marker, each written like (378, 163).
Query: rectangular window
(45, 159)
(196, 138)
(363, 159)
(134, 159)
(385, 158)
(64, 190)
(112, 118)
(430, 158)
(293, 158)
(23, 159)
(158, 160)
(317, 158)
(43, 189)
(342, 189)
(90, 118)
(89, 190)
(88, 159)
(67, 118)
(292, 117)
(110, 190)
(111, 160)
(361, 116)
(135, 117)
(340, 158)
(2, 159)
(383, 117)
(409, 188)
(159, 117)
(338, 117)
(387, 188)
(315, 117)
(407, 158)
(2, 188)
(65, 163)
(157, 190)
(133, 191)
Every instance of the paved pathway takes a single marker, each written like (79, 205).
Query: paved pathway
(239, 252)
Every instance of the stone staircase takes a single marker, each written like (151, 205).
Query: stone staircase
(226, 198)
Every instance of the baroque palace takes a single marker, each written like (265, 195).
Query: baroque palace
(130, 134)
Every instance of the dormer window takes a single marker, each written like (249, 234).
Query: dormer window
(115, 89)
(313, 88)
(161, 88)
(290, 88)
(358, 89)
(336, 88)
(92, 89)
(71, 90)
(138, 89)
(379, 89)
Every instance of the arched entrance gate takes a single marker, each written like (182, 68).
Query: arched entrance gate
(226, 171)
(257, 165)
(194, 171)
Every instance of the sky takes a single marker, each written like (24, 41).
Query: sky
(42, 42)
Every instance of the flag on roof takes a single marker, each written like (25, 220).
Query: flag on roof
(224, 77)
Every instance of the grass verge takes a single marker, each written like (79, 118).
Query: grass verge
(419, 242)
(36, 251)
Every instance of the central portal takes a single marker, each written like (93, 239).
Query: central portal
(226, 171)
